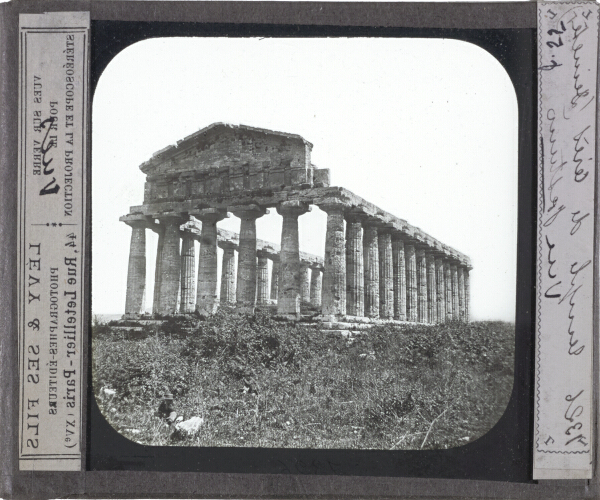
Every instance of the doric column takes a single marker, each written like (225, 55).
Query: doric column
(246, 274)
(334, 275)
(160, 229)
(170, 264)
(455, 309)
(467, 295)
(188, 274)
(386, 274)
(136, 270)
(304, 282)
(275, 276)
(355, 273)
(431, 289)
(411, 282)
(440, 282)
(448, 280)
(399, 264)
(461, 293)
(228, 273)
(262, 278)
(371, 262)
(316, 280)
(288, 295)
(207, 299)
(421, 287)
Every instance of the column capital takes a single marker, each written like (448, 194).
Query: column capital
(332, 206)
(355, 217)
(294, 208)
(248, 212)
(135, 220)
(178, 218)
(265, 253)
(210, 215)
(227, 245)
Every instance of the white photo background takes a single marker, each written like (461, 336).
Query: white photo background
(424, 128)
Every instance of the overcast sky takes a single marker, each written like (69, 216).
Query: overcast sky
(424, 128)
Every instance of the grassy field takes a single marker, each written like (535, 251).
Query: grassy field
(260, 382)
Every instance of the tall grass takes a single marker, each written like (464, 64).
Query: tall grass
(266, 383)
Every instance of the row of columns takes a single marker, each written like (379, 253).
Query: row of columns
(292, 280)
(369, 269)
(375, 271)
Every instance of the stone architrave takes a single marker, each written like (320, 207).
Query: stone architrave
(188, 274)
(160, 229)
(170, 264)
(448, 295)
(371, 263)
(461, 293)
(316, 280)
(411, 282)
(455, 309)
(136, 269)
(275, 276)
(304, 282)
(386, 275)
(334, 275)
(246, 274)
(227, 295)
(289, 291)
(421, 287)
(431, 289)
(399, 264)
(207, 300)
(467, 296)
(440, 281)
(262, 279)
(355, 267)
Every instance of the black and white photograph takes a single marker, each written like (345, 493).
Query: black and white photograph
(304, 243)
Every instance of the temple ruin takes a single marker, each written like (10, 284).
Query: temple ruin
(375, 265)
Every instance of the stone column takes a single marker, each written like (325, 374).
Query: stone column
(262, 279)
(275, 276)
(334, 276)
(304, 282)
(170, 265)
(227, 295)
(246, 274)
(207, 299)
(461, 293)
(411, 282)
(136, 270)
(188, 274)
(440, 282)
(421, 287)
(431, 289)
(386, 275)
(467, 295)
(160, 229)
(371, 262)
(288, 298)
(355, 273)
(316, 279)
(455, 310)
(399, 263)
(448, 280)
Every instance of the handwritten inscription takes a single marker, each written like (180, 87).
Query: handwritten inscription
(567, 42)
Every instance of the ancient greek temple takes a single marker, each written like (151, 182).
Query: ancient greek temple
(375, 265)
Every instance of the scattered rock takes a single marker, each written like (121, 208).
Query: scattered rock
(189, 427)
(107, 394)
